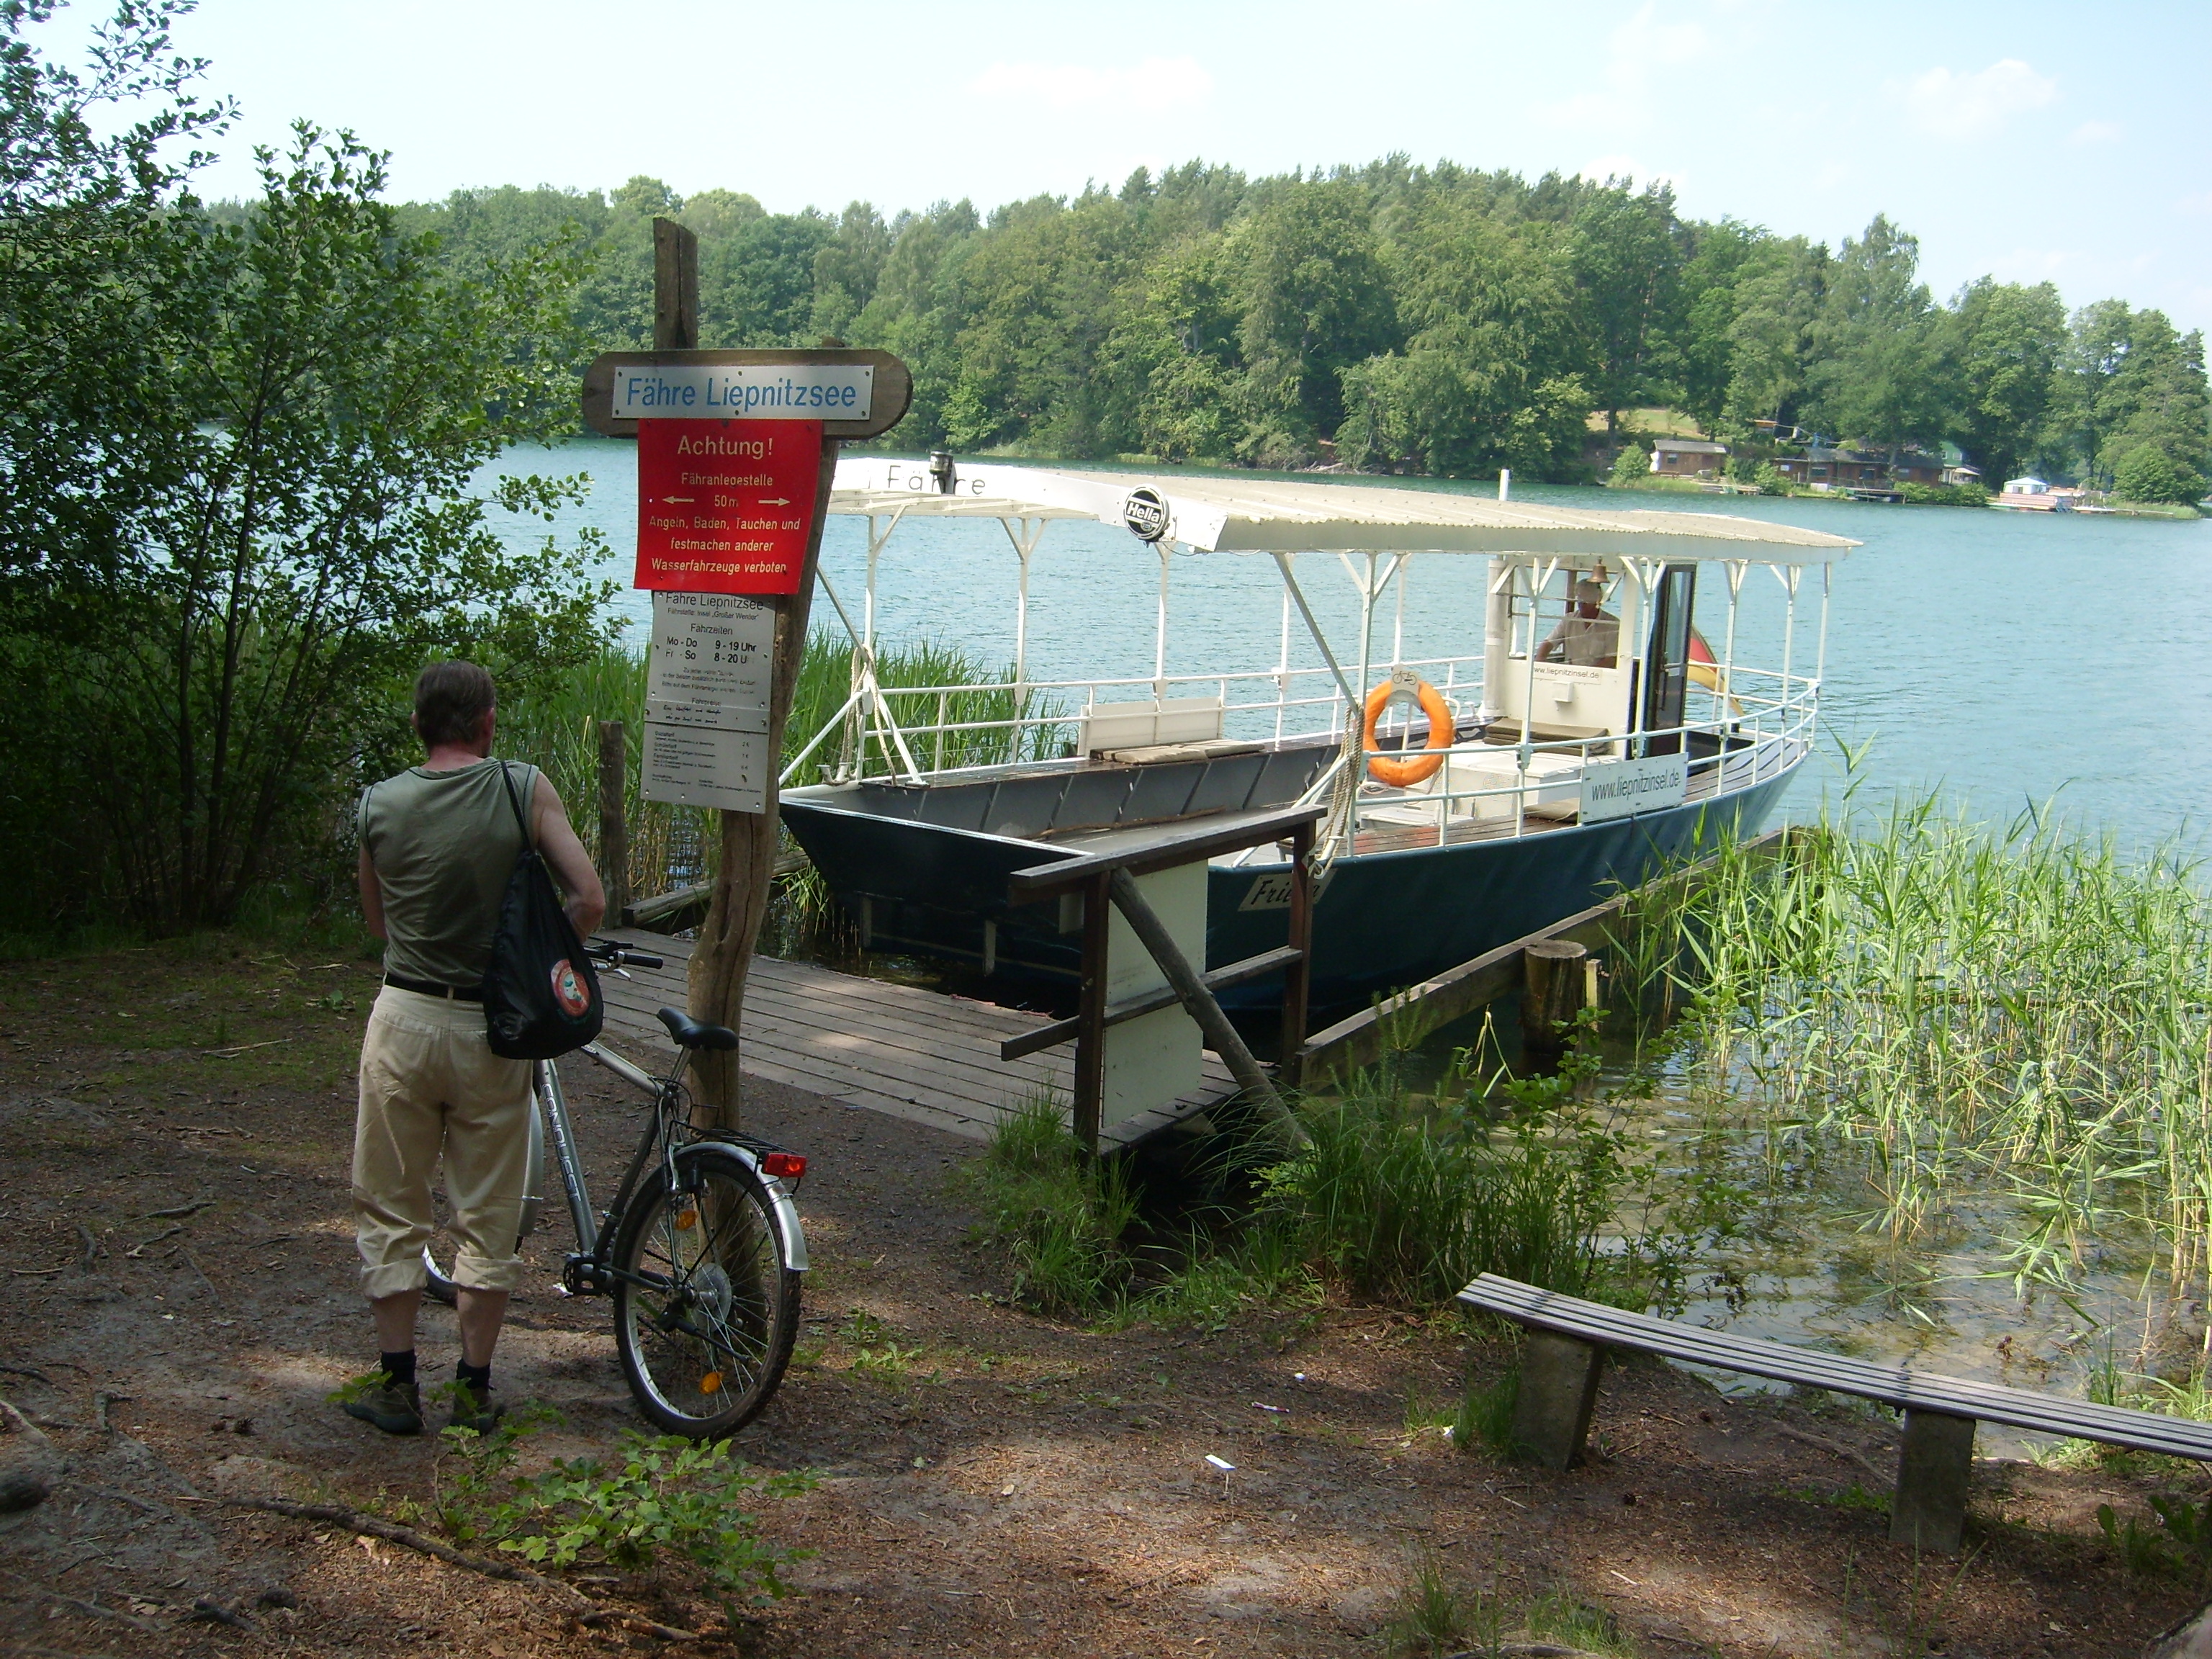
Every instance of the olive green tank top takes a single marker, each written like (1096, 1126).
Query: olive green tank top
(444, 844)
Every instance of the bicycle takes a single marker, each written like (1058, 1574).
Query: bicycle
(701, 1251)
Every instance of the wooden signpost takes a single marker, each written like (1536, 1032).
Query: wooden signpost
(738, 452)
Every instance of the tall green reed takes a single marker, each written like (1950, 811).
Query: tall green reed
(557, 728)
(1956, 1008)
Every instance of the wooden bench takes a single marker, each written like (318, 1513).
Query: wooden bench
(1567, 1337)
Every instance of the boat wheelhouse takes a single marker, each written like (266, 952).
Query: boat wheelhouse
(1595, 726)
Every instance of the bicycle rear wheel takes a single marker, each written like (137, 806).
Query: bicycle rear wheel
(706, 1303)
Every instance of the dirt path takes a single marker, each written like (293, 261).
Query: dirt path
(991, 1483)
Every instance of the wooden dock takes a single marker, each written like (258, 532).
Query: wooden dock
(921, 1055)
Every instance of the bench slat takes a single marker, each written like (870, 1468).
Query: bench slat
(1987, 1402)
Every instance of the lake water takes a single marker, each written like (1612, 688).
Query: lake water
(2006, 658)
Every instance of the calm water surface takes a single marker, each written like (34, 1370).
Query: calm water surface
(2006, 658)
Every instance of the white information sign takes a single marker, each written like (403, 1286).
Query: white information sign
(1622, 788)
(743, 392)
(703, 766)
(713, 657)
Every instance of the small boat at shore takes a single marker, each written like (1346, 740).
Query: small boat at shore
(1598, 726)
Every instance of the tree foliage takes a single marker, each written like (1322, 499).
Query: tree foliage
(1411, 318)
(239, 528)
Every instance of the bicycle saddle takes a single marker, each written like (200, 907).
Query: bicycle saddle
(691, 1033)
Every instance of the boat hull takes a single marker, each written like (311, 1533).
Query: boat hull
(1382, 921)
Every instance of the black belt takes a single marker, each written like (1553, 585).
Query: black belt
(431, 988)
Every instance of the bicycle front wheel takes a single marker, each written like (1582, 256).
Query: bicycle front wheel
(705, 1304)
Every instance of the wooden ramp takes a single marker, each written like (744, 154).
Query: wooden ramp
(921, 1055)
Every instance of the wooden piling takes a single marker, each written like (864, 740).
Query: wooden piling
(1552, 991)
(614, 819)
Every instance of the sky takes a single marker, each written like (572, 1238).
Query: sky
(2029, 141)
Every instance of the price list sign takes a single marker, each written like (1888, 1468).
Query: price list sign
(706, 701)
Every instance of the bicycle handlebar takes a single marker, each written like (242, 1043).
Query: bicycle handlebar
(619, 956)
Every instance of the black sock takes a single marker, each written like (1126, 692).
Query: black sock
(476, 1376)
(399, 1367)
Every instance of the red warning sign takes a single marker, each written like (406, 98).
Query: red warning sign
(725, 506)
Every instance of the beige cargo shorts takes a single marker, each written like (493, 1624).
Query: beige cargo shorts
(432, 1088)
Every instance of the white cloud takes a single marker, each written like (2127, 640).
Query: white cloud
(1156, 83)
(1633, 50)
(1975, 106)
(1644, 39)
(2097, 132)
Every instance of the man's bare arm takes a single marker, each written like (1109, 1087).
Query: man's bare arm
(571, 864)
(372, 895)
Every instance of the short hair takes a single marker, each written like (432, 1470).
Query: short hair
(451, 699)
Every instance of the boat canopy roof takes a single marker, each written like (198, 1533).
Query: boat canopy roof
(1216, 512)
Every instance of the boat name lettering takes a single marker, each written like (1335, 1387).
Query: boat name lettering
(1621, 789)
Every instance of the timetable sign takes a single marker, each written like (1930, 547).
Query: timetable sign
(713, 657)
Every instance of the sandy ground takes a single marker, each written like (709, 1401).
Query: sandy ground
(1020, 1487)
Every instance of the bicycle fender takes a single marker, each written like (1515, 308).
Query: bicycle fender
(786, 1212)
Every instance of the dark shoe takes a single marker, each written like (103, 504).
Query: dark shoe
(396, 1408)
(474, 1408)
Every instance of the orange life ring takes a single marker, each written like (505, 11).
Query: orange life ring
(1443, 729)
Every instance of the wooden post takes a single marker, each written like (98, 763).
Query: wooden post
(1088, 1105)
(675, 287)
(747, 841)
(614, 819)
(1551, 996)
(1297, 978)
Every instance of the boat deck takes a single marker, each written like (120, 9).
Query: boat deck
(908, 1053)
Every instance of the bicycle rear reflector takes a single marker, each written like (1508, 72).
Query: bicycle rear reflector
(784, 1166)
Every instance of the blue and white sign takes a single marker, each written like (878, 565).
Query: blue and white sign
(1622, 788)
(743, 392)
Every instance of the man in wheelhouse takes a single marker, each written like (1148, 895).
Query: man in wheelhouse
(438, 842)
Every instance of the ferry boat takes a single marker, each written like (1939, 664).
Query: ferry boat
(1600, 725)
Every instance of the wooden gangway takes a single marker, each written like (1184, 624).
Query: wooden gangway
(922, 1056)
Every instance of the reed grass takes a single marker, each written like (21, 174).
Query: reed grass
(556, 729)
(1957, 1011)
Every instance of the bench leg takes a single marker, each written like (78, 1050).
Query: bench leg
(1559, 1392)
(1930, 1510)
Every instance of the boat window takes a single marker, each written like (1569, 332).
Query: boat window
(1668, 684)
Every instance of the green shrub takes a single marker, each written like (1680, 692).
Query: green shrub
(1407, 1201)
(1059, 1213)
(1964, 494)
(1632, 465)
(1770, 479)
(2148, 473)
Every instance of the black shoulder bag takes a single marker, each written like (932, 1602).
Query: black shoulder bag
(541, 998)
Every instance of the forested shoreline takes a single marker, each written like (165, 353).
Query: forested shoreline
(1394, 318)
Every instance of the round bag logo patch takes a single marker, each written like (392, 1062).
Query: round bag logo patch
(568, 990)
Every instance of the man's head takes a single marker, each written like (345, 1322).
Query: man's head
(1587, 594)
(453, 702)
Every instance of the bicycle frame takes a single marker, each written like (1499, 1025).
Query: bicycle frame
(587, 1272)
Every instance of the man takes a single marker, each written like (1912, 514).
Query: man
(1586, 637)
(438, 843)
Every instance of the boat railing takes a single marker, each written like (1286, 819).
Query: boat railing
(1755, 724)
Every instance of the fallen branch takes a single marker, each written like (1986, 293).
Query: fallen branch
(587, 1611)
(193, 1208)
(91, 1246)
(370, 1527)
(204, 1279)
(170, 1233)
(1833, 1448)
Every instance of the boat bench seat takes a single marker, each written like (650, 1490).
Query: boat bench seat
(1568, 1337)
